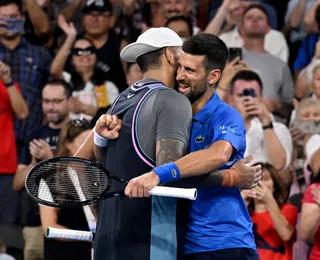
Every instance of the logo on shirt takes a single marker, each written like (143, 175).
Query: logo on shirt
(130, 95)
(199, 139)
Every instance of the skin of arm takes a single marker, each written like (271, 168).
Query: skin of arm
(68, 12)
(281, 224)
(86, 149)
(309, 18)
(309, 221)
(39, 18)
(18, 103)
(315, 162)
(296, 16)
(20, 176)
(215, 25)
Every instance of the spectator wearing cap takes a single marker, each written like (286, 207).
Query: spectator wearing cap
(29, 65)
(275, 43)
(97, 27)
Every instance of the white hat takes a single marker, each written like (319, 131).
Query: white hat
(151, 40)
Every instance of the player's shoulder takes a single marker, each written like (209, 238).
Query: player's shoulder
(172, 97)
(229, 113)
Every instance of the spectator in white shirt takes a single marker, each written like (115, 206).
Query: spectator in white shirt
(268, 141)
(275, 42)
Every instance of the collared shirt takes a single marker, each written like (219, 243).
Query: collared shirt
(256, 144)
(274, 42)
(30, 66)
(218, 218)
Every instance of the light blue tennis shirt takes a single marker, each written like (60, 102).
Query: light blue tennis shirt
(218, 218)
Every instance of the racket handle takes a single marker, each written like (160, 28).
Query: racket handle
(69, 234)
(190, 194)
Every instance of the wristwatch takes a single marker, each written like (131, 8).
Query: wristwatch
(268, 126)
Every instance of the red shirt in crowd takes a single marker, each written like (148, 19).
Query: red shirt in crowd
(269, 244)
(8, 153)
(308, 198)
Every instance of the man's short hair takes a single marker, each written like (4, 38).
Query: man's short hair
(187, 20)
(210, 46)
(257, 6)
(60, 82)
(11, 2)
(150, 60)
(246, 75)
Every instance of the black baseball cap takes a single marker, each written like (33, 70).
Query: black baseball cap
(97, 5)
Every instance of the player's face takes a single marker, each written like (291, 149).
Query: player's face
(77, 142)
(316, 82)
(55, 104)
(191, 76)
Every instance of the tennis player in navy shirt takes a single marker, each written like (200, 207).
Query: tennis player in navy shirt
(219, 225)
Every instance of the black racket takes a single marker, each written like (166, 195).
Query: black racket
(72, 181)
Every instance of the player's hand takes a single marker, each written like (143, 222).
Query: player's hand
(40, 149)
(108, 126)
(249, 176)
(139, 187)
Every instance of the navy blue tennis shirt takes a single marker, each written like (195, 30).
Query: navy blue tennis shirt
(218, 218)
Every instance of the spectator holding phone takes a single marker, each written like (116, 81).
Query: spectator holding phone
(273, 219)
(269, 141)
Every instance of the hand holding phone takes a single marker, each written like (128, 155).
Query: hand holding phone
(234, 53)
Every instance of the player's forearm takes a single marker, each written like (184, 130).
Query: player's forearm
(18, 104)
(275, 150)
(280, 223)
(200, 162)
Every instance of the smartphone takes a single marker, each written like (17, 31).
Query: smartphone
(234, 53)
(13, 25)
(249, 92)
(307, 127)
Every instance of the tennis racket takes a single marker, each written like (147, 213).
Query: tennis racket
(71, 181)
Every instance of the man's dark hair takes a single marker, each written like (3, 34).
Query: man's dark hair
(10, 2)
(257, 6)
(150, 60)
(210, 46)
(246, 75)
(60, 82)
(187, 20)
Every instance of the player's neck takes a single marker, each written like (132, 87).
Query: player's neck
(160, 75)
(202, 101)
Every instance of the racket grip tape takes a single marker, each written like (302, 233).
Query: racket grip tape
(69, 234)
(190, 194)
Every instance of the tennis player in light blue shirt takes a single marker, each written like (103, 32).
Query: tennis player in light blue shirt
(218, 225)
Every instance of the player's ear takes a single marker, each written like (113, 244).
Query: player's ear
(214, 76)
(169, 56)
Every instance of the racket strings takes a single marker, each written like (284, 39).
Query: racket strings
(67, 183)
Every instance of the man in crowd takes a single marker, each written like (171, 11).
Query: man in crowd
(41, 146)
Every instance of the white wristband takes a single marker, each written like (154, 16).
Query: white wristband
(312, 146)
(99, 140)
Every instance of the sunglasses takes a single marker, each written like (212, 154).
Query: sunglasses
(80, 52)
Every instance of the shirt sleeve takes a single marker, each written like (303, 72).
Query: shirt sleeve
(312, 146)
(229, 126)
(302, 57)
(174, 115)
(284, 136)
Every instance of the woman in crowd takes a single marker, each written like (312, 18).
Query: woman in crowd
(90, 90)
(273, 219)
(70, 139)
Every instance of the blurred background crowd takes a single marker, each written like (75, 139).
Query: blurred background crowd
(60, 69)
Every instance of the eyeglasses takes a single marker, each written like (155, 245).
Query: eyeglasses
(80, 52)
(97, 14)
(55, 101)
